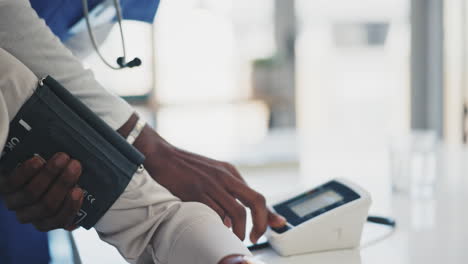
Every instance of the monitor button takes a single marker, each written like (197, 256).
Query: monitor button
(281, 229)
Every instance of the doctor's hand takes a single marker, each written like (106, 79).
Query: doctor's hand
(219, 185)
(43, 192)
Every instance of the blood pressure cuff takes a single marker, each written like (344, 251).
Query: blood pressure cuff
(52, 121)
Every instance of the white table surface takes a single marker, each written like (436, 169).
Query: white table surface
(429, 230)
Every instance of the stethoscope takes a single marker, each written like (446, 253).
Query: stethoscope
(121, 61)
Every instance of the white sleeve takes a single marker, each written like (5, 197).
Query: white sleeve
(148, 221)
(17, 84)
(24, 35)
(3, 121)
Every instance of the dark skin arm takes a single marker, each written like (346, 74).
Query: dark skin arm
(192, 177)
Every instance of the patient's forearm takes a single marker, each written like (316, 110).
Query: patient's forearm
(148, 219)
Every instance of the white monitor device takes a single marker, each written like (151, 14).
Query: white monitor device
(329, 217)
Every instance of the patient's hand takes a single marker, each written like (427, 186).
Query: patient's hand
(44, 193)
(217, 184)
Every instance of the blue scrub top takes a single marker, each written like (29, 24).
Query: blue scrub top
(20, 244)
(61, 15)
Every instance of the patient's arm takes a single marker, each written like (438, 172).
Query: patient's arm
(148, 219)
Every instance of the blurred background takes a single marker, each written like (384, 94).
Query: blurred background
(302, 90)
(260, 83)
(302, 85)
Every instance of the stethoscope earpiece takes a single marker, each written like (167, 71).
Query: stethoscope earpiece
(121, 61)
(133, 63)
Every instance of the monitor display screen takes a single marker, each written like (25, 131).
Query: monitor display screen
(308, 204)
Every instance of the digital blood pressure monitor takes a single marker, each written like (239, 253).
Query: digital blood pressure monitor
(328, 217)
